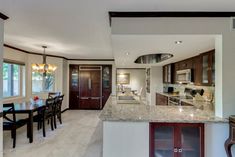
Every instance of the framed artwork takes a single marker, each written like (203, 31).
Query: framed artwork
(123, 78)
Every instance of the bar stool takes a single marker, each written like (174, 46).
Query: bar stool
(231, 140)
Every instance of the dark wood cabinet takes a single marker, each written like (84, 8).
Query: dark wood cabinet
(197, 70)
(168, 73)
(202, 66)
(106, 83)
(90, 86)
(161, 99)
(176, 140)
(208, 68)
(74, 87)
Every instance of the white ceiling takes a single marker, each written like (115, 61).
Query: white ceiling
(80, 28)
(137, 45)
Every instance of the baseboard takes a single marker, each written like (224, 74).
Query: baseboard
(65, 110)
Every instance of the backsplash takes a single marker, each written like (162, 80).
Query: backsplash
(209, 91)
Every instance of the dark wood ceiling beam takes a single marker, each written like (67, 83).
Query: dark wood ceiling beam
(113, 14)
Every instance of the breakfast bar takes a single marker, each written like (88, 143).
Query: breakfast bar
(131, 130)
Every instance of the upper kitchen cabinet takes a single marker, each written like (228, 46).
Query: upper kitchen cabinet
(168, 73)
(208, 68)
(185, 64)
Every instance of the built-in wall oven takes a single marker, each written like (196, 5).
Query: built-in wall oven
(184, 76)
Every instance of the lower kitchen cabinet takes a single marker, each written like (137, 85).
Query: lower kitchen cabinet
(176, 140)
(161, 99)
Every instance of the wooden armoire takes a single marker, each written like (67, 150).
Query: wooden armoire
(90, 86)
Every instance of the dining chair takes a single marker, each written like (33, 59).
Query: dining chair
(11, 124)
(45, 114)
(57, 113)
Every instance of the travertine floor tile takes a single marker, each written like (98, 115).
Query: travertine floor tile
(80, 135)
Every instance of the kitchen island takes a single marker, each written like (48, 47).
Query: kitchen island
(127, 127)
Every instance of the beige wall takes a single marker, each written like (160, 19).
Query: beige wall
(28, 59)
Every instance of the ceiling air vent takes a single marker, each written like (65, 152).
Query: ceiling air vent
(233, 23)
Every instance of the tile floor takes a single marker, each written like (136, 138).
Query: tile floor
(80, 135)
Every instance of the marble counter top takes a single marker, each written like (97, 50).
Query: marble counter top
(196, 103)
(141, 112)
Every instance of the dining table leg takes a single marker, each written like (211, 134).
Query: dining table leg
(30, 127)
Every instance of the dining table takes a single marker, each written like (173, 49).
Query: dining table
(29, 108)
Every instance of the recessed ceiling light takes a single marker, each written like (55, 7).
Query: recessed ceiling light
(127, 53)
(178, 42)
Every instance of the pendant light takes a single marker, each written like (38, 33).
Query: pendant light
(43, 68)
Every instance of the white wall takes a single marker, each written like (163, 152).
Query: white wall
(125, 139)
(137, 79)
(1, 57)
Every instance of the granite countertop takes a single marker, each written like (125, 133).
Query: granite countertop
(141, 112)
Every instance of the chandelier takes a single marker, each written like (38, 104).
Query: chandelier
(43, 68)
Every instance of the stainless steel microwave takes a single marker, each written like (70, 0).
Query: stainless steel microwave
(184, 76)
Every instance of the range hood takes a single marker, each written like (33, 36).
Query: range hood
(153, 58)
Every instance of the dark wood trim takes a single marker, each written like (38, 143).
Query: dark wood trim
(132, 68)
(65, 110)
(4, 17)
(113, 14)
(34, 53)
(1, 114)
(90, 59)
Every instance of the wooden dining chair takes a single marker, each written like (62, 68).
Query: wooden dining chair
(45, 114)
(11, 124)
(57, 111)
(53, 94)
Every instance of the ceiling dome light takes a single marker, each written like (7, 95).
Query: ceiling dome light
(127, 53)
(153, 58)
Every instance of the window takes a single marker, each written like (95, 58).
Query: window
(41, 83)
(12, 79)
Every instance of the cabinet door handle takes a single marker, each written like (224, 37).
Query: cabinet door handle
(180, 150)
(175, 150)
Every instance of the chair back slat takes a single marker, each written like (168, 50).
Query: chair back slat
(53, 94)
(10, 110)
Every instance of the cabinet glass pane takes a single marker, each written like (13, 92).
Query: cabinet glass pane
(74, 78)
(106, 77)
(190, 138)
(213, 68)
(205, 69)
(163, 141)
(165, 73)
(169, 74)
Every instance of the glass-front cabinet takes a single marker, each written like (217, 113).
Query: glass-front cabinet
(176, 140)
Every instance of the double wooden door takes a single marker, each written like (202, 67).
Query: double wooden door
(90, 87)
